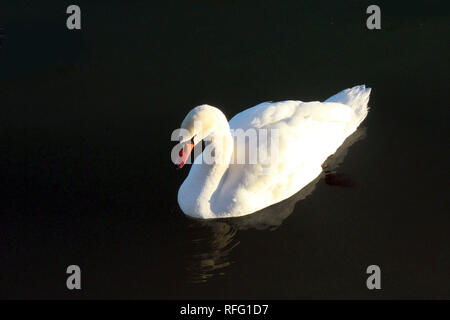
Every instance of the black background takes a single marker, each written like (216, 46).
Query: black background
(85, 170)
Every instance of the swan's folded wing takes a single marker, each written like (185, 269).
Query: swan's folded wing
(269, 113)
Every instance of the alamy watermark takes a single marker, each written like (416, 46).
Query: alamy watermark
(251, 146)
(74, 20)
(74, 280)
(374, 20)
(374, 280)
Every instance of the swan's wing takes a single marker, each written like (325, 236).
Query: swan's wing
(307, 133)
(270, 113)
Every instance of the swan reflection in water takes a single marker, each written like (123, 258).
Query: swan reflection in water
(213, 240)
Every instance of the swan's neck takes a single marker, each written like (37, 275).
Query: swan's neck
(196, 194)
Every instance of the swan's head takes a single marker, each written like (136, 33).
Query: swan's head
(198, 124)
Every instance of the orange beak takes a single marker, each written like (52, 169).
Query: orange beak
(184, 154)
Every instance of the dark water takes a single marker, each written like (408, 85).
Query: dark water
(86, 176)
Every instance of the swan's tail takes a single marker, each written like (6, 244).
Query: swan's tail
(357, 98)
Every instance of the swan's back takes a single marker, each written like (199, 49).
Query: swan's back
(266, 113)
(308, 132)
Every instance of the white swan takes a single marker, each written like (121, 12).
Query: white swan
(308, 132)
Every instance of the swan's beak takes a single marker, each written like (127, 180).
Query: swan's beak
(184, 154)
